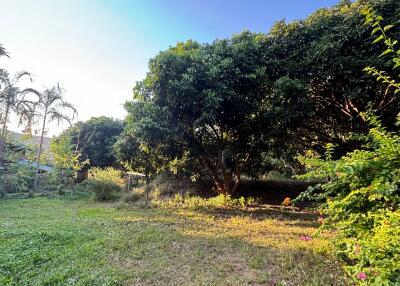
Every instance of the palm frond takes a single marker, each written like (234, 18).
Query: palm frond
(20, 75)
(69, 106)
(33, 91)
(55, 115)
(3, 51)
(54, 105)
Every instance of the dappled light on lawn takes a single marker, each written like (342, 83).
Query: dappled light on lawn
(99, 245)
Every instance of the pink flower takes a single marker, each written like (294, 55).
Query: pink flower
(362, 276)
(305, 237)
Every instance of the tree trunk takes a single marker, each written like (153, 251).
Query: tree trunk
(3, 134)
(236, 183)
(226, 181)
(35, 184)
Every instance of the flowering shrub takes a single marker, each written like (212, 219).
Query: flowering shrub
(361, 200)
(362, 193)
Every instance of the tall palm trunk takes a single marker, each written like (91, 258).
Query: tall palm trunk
(35, 185)
(3, 134)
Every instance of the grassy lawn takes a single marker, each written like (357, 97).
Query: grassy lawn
(61, 242)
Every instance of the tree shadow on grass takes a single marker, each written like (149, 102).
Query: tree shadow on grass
(261, 212)
(185, 247)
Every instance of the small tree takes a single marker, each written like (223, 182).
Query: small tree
(65, 155)
(50, 108)
(67, 160)
(94, 139)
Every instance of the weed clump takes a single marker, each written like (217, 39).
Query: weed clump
(196, 202)
(106, 184)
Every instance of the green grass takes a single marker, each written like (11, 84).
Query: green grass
(47, 241)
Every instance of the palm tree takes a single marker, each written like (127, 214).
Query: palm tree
(50, 108)
(13, 99)
(3, 51)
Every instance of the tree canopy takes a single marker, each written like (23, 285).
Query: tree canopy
(94, 139)
(230, 104)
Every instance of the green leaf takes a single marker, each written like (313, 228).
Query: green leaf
(375, 30)
(377, 40)
(397, 62)
(387, 27)
(367, 21)
(386, 52)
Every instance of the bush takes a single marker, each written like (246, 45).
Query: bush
(59, 180)
(16, 179)
(106, 184)
(361, 200)
(362, 195)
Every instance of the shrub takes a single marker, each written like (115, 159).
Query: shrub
(76, 192)
(361, 200)
(16, 179)
(362, 195)
(106, 183)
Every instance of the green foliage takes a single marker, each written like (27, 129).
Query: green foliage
(51, 107)
(16, 179)
(380, 32)
(196, 202)
(65, 156)
(326, 54)
(362, 202)
(14, 100)
(106, 184)
(137, 156)
(362, 195)
(94, 140)
(205, 116)
(231, 107)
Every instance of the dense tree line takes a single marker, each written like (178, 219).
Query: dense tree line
(223, 109)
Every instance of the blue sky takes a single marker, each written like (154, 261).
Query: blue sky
(98, 49)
